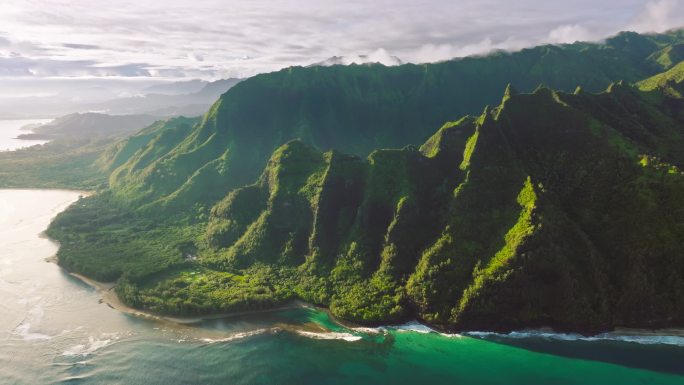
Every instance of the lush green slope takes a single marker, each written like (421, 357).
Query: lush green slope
(550, 209)
(358, 108)
(671, 80)
(64, 164)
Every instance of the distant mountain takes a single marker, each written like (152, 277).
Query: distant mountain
(166, 104)
(70, 159)
(86, 94)
(169, 100)
(177, 88)
(90, 125)
(216, 88)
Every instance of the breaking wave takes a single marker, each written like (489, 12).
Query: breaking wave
(330, 336)
(237, 336)
(640, 339)
(90, 347)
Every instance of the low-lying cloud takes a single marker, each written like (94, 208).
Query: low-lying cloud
(659, 16)
(218, 38)
(566, 34)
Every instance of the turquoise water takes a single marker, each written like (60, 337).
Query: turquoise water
(55, 330)
(279, 356)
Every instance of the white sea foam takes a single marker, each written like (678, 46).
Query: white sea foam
(378, 330)
(237, 336)
(330, 336)
(640, 339)
(90, 347)
(646, 339)
(24, 331)
(413, 326)
(451, 335)
(34, 316)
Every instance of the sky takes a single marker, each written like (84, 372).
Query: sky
(211, 39)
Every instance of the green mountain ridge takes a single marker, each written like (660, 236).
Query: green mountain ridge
(670, 80)
(551, 209)
(356, 109)
(510, 238)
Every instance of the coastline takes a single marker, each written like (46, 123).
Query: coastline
(85, 193)
(112, 300)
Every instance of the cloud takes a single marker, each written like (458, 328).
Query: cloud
(80, 46)
(195, 56)
(570, 34)
(439, 52)
(380, 55)
(659, 16)
(15, 65)
(227, 38)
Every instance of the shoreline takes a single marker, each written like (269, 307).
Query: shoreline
(112, 300)
(82, 192)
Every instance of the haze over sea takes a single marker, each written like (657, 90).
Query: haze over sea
(10, 129)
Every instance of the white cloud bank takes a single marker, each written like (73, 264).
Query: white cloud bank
(221, 38)
(566, 34)
(659, 16)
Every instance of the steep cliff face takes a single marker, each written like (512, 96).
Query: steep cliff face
(551, 209)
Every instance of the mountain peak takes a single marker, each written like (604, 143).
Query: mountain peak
(510, 92)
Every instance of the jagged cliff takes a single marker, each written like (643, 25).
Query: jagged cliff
(548, 209)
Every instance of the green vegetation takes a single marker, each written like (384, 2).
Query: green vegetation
(83, 149)
(89, 125)
(356, 109)
(202, 291)
(132, 245)
(672, 81)
(67, 164)
(549, 209)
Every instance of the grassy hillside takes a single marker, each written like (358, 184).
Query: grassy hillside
(551, 209)
(672, 80)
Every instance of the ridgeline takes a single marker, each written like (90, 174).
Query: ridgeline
(552, 208)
